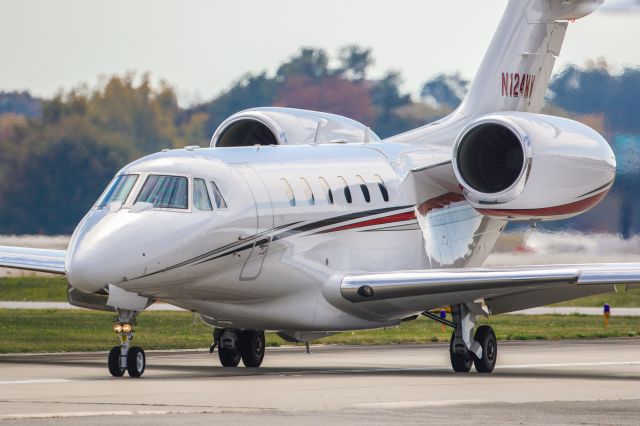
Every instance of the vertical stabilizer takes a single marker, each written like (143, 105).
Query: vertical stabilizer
(515, 71)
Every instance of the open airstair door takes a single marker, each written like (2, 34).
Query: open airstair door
(264, 222)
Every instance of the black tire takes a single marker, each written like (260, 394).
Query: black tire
(114, 362)
(228, 357)
(461, 362)
(136, 361)
(487, 340)
(252, 346)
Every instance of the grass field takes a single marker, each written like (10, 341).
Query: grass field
(45, 289)
(33, 289)
(50, 330)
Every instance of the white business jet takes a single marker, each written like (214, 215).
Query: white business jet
(308, 224)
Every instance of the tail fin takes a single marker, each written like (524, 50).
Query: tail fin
(515, 71)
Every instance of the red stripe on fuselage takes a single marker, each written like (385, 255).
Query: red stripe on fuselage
(565, 209)
(400, 217)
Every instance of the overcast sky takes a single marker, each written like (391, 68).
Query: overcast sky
(202, 46)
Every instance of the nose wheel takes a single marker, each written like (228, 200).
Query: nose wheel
(125, 357)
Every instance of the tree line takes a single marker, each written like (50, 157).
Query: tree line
(58, 154)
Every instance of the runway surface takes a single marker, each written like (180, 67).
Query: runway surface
(593, 382)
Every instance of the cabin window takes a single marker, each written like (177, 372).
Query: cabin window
(383, 188)
(217, 196)
(311, 199)
(201, 200)
(289, 192)
(165, 192)
(364, 189)
(118, 190)
(347, 191)
(327, 190)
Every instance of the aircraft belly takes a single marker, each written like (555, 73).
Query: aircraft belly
(301, 312)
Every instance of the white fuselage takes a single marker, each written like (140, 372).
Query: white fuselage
(274, 257)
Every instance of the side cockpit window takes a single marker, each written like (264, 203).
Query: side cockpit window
(217, 196)
(201, 199)
(165, 192)
(118, 190)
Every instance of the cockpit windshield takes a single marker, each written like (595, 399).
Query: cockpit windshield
(118, 190)
(168, 192)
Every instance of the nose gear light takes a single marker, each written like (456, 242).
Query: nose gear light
(123, 327)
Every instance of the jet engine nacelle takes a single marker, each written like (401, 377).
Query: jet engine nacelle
(524, 166)
(288, 126)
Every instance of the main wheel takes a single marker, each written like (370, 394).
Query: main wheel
(252, 347)
(461, 362)
(136, 361)
(487, 340)
(114, 362)
(228, 357)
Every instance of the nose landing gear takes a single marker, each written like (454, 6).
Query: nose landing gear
(125, 357)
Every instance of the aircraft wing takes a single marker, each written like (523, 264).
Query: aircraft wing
(504, 289)
(33, 259)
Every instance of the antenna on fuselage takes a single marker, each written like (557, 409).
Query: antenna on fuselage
(315, 138)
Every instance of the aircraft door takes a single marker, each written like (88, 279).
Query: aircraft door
(264, 222)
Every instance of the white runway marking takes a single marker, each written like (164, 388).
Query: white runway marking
(63, 415)
(571, 364)
(409, 404)
(28, 382)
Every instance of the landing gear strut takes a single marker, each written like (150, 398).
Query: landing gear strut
(125, 357)
(467, 348)
(234, 345)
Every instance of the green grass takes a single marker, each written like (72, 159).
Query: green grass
(45, 289)
(33, 288)
(50, 330)
(621, 299)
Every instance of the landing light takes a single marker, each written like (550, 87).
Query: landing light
(122, 328)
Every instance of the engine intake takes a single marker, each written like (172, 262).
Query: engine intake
(523, 166)
(288, 126)
(247, 132)
(490, 158)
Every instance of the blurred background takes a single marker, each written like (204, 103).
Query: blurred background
(86, 88)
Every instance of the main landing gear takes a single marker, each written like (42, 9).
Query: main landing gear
(233, 345)
(125, 357)
(467, 348)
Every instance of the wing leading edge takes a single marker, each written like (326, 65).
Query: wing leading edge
(33, 259)
(503, 289)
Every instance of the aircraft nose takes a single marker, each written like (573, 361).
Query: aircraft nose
(95, 256)
(120, 247)
(85, 272)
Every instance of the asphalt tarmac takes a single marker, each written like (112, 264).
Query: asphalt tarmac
(564, 382)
